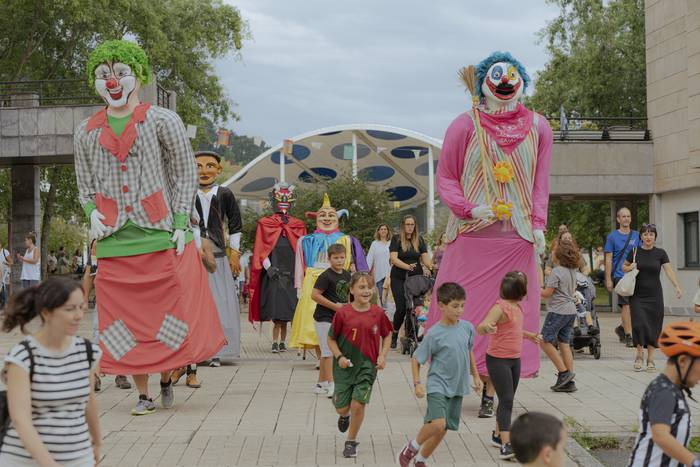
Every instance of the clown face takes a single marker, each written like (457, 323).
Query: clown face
(502, 85)
(327, 220)
(115, 83)
(283, 197)
(208, 168)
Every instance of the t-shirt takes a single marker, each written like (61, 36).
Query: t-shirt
(563, 281)
(447, 348)
(378, 259)
(4, 267)
(60, 389)
(335, 287)
(662, 402)
(358, 335)
(614, 244)
(410, 256)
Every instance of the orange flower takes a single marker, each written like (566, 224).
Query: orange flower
(503, 172)
(502, 210)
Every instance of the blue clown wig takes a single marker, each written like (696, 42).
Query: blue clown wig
(483, 68)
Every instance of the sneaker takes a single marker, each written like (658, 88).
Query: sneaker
(177, 374)
(122, 382)
(563, 378)
(350, 449)
(420, 464)
(496, 440)
(275, 347)
(215, 363)
(320, 389)
(144, 406)
(394, 340)
(620, 331)
(406, 455)
(638, 364)
(569, 387)
(282, 347)
(98, 384)
(651, 368)
(486, 409)
(628, 341)
(167, 397)
(506, 452)
(330, 390)
(192, 382)
(343, 423)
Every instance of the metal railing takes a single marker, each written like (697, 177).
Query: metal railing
(162, 97)
(47, 93)
(576, 128)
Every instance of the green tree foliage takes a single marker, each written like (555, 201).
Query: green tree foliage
(597, 60)
(242, 149)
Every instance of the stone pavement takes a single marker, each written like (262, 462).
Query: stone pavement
(261, 411)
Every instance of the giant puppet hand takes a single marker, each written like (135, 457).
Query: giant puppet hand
(234, 259)
(539, 241)
(97, 228)
(482, 212)
(178, 239)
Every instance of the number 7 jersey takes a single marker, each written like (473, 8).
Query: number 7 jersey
(359, 333)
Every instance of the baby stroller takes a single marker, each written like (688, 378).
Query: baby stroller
(415, 288)
(584, 335)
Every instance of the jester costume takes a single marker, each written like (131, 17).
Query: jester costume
(137, 182)
(493, 174)
(311, 261)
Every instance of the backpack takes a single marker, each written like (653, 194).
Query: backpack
(4, 405)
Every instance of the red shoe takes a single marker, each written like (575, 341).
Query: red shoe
(406, 455)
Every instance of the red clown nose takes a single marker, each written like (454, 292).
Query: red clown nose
(504, 79)
(111, 83)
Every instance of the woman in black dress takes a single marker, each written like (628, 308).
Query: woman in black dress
(647, 303)
(407, 251)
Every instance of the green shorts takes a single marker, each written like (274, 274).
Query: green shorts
(353, 384)
(441, 406)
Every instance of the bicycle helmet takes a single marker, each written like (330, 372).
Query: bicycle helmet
(680, 338)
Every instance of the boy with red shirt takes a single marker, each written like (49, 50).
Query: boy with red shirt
(354, 340)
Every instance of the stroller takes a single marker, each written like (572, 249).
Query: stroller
(584, 335)
(415, 288)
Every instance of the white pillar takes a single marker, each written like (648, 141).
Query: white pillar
(283, 156)
(354, 155)
(431, 191)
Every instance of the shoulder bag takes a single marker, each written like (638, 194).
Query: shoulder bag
(625, 288)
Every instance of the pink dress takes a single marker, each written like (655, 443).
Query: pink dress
(478, 260)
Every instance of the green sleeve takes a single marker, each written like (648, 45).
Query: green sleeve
(180, 221)
(88, 208)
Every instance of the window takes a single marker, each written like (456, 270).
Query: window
(691, 240)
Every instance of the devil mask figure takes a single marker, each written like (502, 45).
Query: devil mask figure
(282, 198)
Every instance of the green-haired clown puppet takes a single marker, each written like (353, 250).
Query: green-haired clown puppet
(137, 180)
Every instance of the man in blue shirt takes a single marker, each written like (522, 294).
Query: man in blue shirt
(617, 246)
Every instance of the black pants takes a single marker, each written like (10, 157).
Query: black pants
(505, 375)
(397, 290)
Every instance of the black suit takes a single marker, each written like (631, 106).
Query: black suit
(223, 205)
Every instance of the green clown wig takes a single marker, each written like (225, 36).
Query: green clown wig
(120, 51)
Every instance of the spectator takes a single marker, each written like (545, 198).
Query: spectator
(5, 266)
(51, 262)
(63, 263)
(696, 300)
(54, 418)
(538, 440)
(439, 251)
(617, 246)
(647, 302)
(378, 258)
(599, 265)
(77, 263)
(31, 262)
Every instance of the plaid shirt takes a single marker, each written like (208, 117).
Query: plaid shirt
(155, 180)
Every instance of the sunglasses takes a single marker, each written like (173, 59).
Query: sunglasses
(648, 226)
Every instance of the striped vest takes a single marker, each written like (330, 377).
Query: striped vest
(518, 190)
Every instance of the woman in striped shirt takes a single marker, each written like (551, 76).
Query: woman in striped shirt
(50, 379)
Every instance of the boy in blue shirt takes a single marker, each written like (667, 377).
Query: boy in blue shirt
(449, 347)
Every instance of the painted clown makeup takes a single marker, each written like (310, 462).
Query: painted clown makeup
(115, 82)
(502, 84)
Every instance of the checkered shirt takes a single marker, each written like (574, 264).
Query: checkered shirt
(160, 159)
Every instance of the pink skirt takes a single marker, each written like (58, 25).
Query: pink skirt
(156, 312)
(478, 261)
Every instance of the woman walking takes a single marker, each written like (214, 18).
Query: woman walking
(378, 258)
(439, 251)
(50, 380)
(31, 262)
(407, 252)
(647, 302)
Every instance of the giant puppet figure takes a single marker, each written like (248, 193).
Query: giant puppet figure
(273, 297)
(312, 260)
(493, 174)
(137, 182)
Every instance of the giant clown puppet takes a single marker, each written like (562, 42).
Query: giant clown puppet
(312, 260)
(137, 182)
(273, 297)
(493, 174)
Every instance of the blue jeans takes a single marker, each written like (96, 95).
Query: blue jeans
(380, 289)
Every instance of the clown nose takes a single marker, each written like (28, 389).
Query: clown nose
(504, 79)
(111, 83)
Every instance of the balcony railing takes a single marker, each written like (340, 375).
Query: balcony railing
(600, 128)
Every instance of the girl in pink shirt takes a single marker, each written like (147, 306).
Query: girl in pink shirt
(504, 322)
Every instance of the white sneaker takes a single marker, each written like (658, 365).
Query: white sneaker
(330, 389)
(320, 388)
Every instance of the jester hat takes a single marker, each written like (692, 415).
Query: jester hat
(120, 51)
(327, 205)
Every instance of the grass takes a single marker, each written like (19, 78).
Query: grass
(602, 296)
(583, 436)
(694, 444)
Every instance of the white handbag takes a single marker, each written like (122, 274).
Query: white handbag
(625, 288)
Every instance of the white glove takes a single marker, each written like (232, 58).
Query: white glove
(482, 211)
(97, 228)
(539, 241)
(234, 241)
(298, 294)
(266, 263)
(178, 239)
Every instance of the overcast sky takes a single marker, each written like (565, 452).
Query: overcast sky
(317, 63)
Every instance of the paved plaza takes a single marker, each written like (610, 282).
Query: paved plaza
(262, 411)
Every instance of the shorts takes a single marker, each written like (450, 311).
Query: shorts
(322, 329)
(620, 299)
(353, 384)
(557, 328)
(441, 406)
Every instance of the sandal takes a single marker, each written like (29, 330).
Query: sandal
(651, 368)
(638, 364)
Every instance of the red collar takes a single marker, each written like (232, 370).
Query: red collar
(118, 146)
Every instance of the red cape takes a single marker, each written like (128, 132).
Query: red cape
(266, 235)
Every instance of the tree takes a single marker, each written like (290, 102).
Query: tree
(597, 60)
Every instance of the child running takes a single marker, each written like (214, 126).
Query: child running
(505, 324)
(449, 347)
(354, 340)
(664, 414)
(538, 440)
(330, 293)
